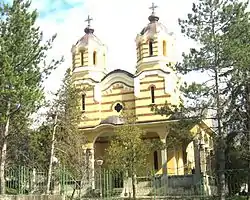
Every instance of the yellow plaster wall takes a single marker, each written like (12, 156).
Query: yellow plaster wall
(91, 114)
(117, 94)
(78, 75)
(88, 58)
(95, 112)
(143, 102)
(171, 165)
(150, 161)
(179, 160)
(141, 105)
(88, 54)
(78, 58)
(143, 50)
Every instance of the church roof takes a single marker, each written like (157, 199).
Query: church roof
(115, 120)
(153, 28)
(88, 37)
(118, 71)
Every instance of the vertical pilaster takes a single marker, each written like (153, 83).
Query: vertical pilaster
(164, 157)
(180, 161)
(92, 167)
(164, 160)
(175, 161)
(203, 159)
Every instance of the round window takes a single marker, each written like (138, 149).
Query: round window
(118, 107)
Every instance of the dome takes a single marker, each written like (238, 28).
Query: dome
(115, 120)
(88, 38)
(153, 28)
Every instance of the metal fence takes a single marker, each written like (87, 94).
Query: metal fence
(106, 184)
(24, 180)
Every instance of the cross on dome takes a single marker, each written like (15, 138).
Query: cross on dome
(153, 7)
(153, 18)
(88, 29)
(89, 19)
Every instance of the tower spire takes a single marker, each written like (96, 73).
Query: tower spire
(153, 18)
(88, 29)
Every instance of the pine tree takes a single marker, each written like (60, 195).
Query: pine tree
(237, 50)
(23, 68)
(208, 25)
(221, 30)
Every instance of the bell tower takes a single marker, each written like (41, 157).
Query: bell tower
(88, 56)
(154, 45)
(155, 80)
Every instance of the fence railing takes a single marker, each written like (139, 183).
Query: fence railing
(106, 184)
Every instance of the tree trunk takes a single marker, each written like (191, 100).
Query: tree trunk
(248, 134)
(133, 186)
(221, 139)
(221, 172)
(4, 151)
(51, 156)
(220, 144)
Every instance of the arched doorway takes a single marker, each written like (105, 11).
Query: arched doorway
(106, 180)
(100, 146)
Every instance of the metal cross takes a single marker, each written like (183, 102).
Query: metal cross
(153, 8)
(89, 19)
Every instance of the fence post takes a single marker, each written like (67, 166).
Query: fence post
(154, 184)
(19, 179)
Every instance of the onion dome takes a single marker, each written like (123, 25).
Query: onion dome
(89, 37)
(154, 26)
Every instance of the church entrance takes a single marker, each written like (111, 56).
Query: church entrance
(100, 146)
(106, 180)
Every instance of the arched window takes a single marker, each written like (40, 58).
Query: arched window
(139, 51)
(83, 102)
(156, 160)
(94, 58)
(152, 90)
(73, 61)
(150, 46)
(118, 107)
(82, 58)
(164, 48)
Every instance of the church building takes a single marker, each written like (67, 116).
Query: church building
(107, 94)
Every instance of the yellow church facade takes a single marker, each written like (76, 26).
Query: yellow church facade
(107, 94)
